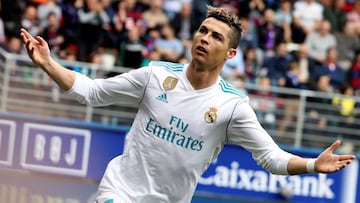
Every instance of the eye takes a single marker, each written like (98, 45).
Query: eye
(217, 37)
(202, 30)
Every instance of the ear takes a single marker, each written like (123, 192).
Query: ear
(231, 53)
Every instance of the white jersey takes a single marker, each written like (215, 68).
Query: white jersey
(177, 132)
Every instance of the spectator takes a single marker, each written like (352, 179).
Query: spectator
(308, 68)
(333, 69)
(249, 38)
(256, 10)
(290, 102)
(12, 45)
(355, 73)
(155, 15)
(70, 57)
(30, 20)
(45, 9)
(334, 13)
(234, 68)
(198, 11)
(127, 16)
(292, 77)
(184, 28)
(169, 47)
(70, 20)
(346, 105)
(109, 37)
(182, 23)
(109, 8)
(251, 65)
(318, 107)
(54, 34)
(354, 16)
(132, 49)
(93, 19)
(307, 17)
(283, 18)
(119, 20)
(12, 16)
(264, 103)
(349, 43)
(172, 7)
(270, 34)
(319, 42)
(277, 66)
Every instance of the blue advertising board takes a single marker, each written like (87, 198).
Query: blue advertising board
(55, 156)
(62, 148)
(236, 174)
(7, 141)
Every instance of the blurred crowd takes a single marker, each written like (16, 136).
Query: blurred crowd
(286, 43)
(300, 44)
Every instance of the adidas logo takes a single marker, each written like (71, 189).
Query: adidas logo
(162, 98)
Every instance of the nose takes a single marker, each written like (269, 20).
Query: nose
(205, 39)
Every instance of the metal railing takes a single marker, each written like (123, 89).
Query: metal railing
(292, 117)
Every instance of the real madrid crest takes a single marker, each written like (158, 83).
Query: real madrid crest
(170, 83)
(211, 116)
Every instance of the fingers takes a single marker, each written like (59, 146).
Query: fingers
(346, 157)
(334, 146)
(344, 163)
(25, 36)
(41, 41)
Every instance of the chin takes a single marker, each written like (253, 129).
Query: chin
(199, 60)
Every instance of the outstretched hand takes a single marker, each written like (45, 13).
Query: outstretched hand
(37, 48)
(328, 162)
(39, 52)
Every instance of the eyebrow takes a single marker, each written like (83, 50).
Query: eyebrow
(214, 32)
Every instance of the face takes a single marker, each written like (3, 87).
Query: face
(332, 54)
(211, 44)
(323, 83)
(325, 27)
(303, 51)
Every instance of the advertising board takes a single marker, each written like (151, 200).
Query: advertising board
(63, 161)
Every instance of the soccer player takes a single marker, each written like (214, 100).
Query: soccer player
(186, 113)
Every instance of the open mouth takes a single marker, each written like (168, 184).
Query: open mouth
(201, 49)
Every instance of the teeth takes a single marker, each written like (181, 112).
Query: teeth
(201, 49)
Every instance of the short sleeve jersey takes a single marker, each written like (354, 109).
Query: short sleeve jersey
(177, 132)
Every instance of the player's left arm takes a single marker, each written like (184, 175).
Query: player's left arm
(326, 162)
(246, 131)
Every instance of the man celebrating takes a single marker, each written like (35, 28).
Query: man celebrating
(186, 113)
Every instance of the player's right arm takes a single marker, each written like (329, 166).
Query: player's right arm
(39, 52)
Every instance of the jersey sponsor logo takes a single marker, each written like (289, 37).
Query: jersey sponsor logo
(170, 83)
(211, 116)
(174, 133)
(162, 98)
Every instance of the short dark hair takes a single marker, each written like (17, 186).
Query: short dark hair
(230, 19)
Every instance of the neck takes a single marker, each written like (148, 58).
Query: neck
(202, 77)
